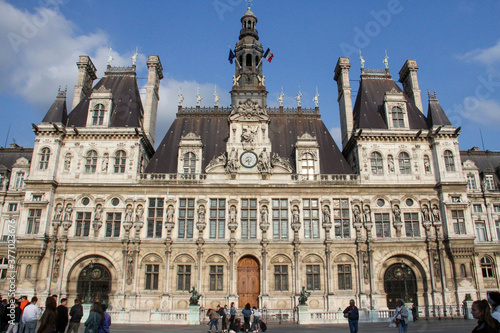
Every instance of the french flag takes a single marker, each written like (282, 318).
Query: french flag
(268, 55)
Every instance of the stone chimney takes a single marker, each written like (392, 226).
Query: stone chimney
(344, 99)
(155, 75)
(86, 77)
(408, 77)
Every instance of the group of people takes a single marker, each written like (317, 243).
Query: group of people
(251, 319)
(22, 316)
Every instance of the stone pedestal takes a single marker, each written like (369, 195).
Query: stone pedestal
(304, 317)
(468, 309)
(194, 315)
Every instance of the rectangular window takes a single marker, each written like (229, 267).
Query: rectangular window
(496, 208)
(458, 220)
(313, 277)
(311, 218)
(217, 218)
(345, 277)
(497, 224)
(19, 180)
(280, 219)
(37, 197)
(83, 224)
(281, 277)
(478, 208)
(341, 218)
(216, 277)
(480, 231)
(471, 182)
(4, 267)
(490, 183)
(155, 217)
(186, 218)
(183, 277)
(249, 218)
(113, 224)
(34, 221)
(13, 207)
(152, 276)
(382, 225)
(411, 225)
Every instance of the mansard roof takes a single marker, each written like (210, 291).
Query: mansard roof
(9, 156)
(213, 128)
(58, 112)
(368, 109)
(488, 161)
(127, 106)
(435, 113)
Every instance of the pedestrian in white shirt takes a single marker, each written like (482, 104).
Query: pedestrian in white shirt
(30, 316)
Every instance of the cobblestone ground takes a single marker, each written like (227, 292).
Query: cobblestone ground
(435, 326)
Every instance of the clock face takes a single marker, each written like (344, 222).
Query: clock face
(248, 159)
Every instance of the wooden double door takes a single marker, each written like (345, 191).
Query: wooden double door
(248, 282)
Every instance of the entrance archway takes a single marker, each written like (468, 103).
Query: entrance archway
(248, 282)
(400, 282)
(94, 283)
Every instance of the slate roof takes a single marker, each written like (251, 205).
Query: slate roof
(435, 113)
(58, 112)
(127, 106)
(213, 128)
(368, 109)
(9, 156)
(484, 160)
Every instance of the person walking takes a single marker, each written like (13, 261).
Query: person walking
(214, 319)
(401, 316)
(14, 322)
(494, 300)
(76, 314)
(247, 313)
(232, 314)
(352, 315)
(30, 316)
(48, 321)
(62, 316)
(94, 320)
(106, 323)
(485, 322)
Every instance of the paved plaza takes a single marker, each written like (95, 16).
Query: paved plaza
(434, 325)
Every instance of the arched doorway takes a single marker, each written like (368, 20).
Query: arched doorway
(400, 282)
(94, 283)
(248, 282)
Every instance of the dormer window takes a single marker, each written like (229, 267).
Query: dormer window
(449, 162)
(489, 182)
(397, 117)
(19, 180)
(308, 165)
(190, 152)
(98, 115)
(471, 182)
(44, 158)
(189, 163)
(404, 163)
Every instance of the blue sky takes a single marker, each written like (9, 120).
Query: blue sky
(456, 45)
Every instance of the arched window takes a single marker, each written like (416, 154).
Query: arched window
(120, 161)
(189, 163)
(27, 275)
(91, 162)
(449, 163)
(19, 180)
(376, 162)
(487, 267)
(404, 163)
(463, 271)
(44, 158)
(397, 117)
(256, 60)
(98, 114)
(249, 60)
(308, 165)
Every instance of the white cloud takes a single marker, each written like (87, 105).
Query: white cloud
(337, 136)
(485, 112)
(487, 56)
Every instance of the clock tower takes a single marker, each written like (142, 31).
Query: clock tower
(249, 148)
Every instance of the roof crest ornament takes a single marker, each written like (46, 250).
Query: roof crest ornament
(362, 61)
(198, 97)
(216, 97)
(432, 97)
(249, 4)
(280, 97)
(316, 98)
(62, 93)
(298, 98)
(110, 57)
(134, 57)
(181, 96)
(386, 61)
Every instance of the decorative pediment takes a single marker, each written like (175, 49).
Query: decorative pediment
(306, 137)
(278, 161)
(218, 161)
(102, 89)
(21, 162)
(248, 111)
(469, 164)
(190, 136)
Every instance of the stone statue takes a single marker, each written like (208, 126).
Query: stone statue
(425, 213)
(216, 97)
(105, 162)
(58, 212)
(367, 213)
(264, 165)
(280, 97)
(128, 213)
(232, 163)
(170, 214)
(427, 164)
(264, 214)
(235, 80)
(110, 57)
(139, 211)
(232, 214)
(181, 96)
(435, 213)
(201, 213)
(362, 60)
(357, 214)
(386, 61)
(295, 214)
(248, 134)
(198, 97)
(397, 214)
(68, 212)
(390, 162)
(67, 162)
(298, 98)
(303, 296)
(326, 214)
(98, 213)
(316, 98)
(130, 269)
(134, 57)
(195, 296)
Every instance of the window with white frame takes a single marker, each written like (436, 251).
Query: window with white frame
(82, 224)
(280, 218)
(44, 159)
(186, 218)
(98, 114)
(382, 225)
(487, 267)
(404, 163)
(490, 183)
(341, 218)
(308, 164)
(19, 180)
(155, 217)
(248, 218)
(471, 182)
(311, 218)
(478, 208)
(345, 276)
(313, 277)
(189, 163)
(113, 224)
(376, 163)
(183, 277)
(120, 161)
(480, 231)
(497, 225)
(152, 277)
(412, 225)
(4, 267)
(27, 274)
(91, 162)
(281, 277)
(458, 221)
(216, 277)
(496, 208)
(13, 207)
(398, 120)
(34, 217)
(218, 218)
(449, 162)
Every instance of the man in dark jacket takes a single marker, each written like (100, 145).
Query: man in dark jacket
(352, 314)
(62, 316)
(76, 314)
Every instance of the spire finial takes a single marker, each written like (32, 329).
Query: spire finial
(134, 57)
(249, 4)
(110, 57)
(386, 61)
(216, 97)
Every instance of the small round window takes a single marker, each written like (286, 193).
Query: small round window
(409, 202)
(115, 201)
(380, 202)
(85, 201)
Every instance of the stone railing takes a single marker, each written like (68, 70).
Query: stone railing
(148, 316)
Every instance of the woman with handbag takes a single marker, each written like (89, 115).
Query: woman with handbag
(94, 319)
(401, 317)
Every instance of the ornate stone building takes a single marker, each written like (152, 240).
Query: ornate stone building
(251, 203)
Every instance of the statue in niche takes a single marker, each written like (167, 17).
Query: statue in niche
(357, 214)
(98, 213)
(232, 214)
(435, 213)
(58, 212)
(105, 162)
(295, 214)
(68, 212)
(326, 214)
(367, 213)
(390, 163)
(67, 162)
(264, 214)
(170, 214)
(397, 214)
(130, 269)
(201, 213)
(427, 164)
(139, 211)
(57, 260)
(128, 213)
(425, 213)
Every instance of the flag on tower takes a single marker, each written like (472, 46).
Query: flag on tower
(268, 55)
(231, 56)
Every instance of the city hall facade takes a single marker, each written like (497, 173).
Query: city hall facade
(247, 203)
